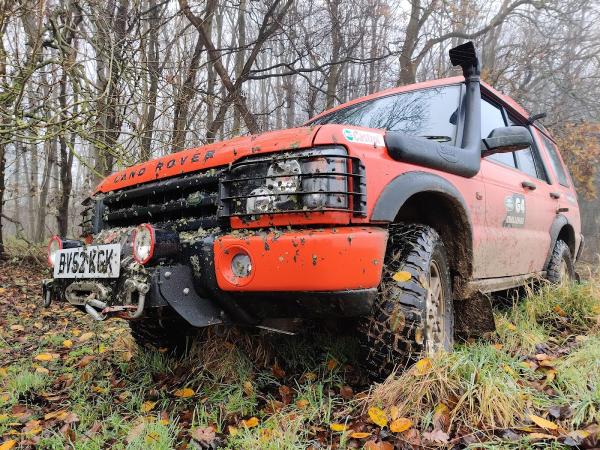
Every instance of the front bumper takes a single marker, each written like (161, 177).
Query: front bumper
(331, 272)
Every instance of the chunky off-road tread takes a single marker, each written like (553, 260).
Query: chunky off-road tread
(172, 334)
(560, 253)
(394, 334)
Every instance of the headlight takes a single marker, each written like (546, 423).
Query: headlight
(54, 246)
(301, 181)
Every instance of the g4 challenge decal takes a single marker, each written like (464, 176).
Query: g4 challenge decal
(363, 137)
(515, 211)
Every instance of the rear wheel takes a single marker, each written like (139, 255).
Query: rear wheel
(413, 312)
(561, 268)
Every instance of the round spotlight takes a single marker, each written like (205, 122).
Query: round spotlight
(143, 243)
(54, 246)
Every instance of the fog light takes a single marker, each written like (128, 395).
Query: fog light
(54, 246)
(241, 265)
(143, 243)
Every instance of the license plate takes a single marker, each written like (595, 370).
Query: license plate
(94, 261)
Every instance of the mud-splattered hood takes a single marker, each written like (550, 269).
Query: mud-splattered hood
(208, 156)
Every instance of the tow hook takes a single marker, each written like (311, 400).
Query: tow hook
(132, 286)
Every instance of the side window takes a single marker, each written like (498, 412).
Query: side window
(528, 159)
(491, 117)
(556, 162)
(526, 162)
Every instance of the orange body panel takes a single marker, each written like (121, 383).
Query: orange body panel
(304, 260)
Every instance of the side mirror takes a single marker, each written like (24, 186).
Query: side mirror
(506, 139)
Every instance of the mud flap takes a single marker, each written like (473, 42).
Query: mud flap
(177, 288)
(474, 316)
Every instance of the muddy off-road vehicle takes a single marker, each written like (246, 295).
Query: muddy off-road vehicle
(389, 213)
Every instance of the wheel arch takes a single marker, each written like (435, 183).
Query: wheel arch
(432, 200)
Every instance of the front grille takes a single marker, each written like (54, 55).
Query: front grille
(184, 203)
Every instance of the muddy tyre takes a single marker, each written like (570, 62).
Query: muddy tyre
(561, 267)
(173, 334)
(411, 316)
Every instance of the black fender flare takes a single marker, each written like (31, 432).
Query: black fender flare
(559, 222)
(404, 186)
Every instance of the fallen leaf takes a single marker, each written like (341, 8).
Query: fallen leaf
(3, 372)
(44, 357)
(378, 416)
(558, 310)
(359, 435)
(184, 393)
(436, 436)
(331, 364)
(248, 388)
(7, 445)
(42, 370)
(538, 436)
(394, 412)
(401, 276)
(148, 406)
(338, 427)
(85, 361)
(17, 327)
(251, 422)
(511, 327)
(205, 436)
(302, 403)
(232, 430)
(86, 336)
(423, 366)
(543, 423)
(441, 417)
(277, 371)
(378, 445)
(309, 376)
(400, 425)
(346, 392)
(135, 432)
(67, 343)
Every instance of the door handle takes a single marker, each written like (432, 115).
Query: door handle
(555, 195)
(529, 185)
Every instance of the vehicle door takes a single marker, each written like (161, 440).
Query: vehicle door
(518, 207)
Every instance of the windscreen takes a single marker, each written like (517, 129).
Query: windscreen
(430, 113)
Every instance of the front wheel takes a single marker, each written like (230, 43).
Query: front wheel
(413, 312)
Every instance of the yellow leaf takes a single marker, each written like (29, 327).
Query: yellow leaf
(99, 390)
(302, 403)
(550, 375)
(400, 425)
(67, 343)
(232, 430)
(359, 435)
(248, 388)
(338, 427)
(42, 370)
(423, 365)
(401, 276)
(4, 416)
(394, 412)
(148, 406)
(250, 423)
(498, 346)
(7, 445)
(543, 423)
(164, 421)
(86, 336)
(378, 416)
(152, 437)
(509, 370)
(184, 393)
(43, 357)
(540, 436)
(102, 348)
(75, 332)
(310, 376)
(3, 372)
(511, 327)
